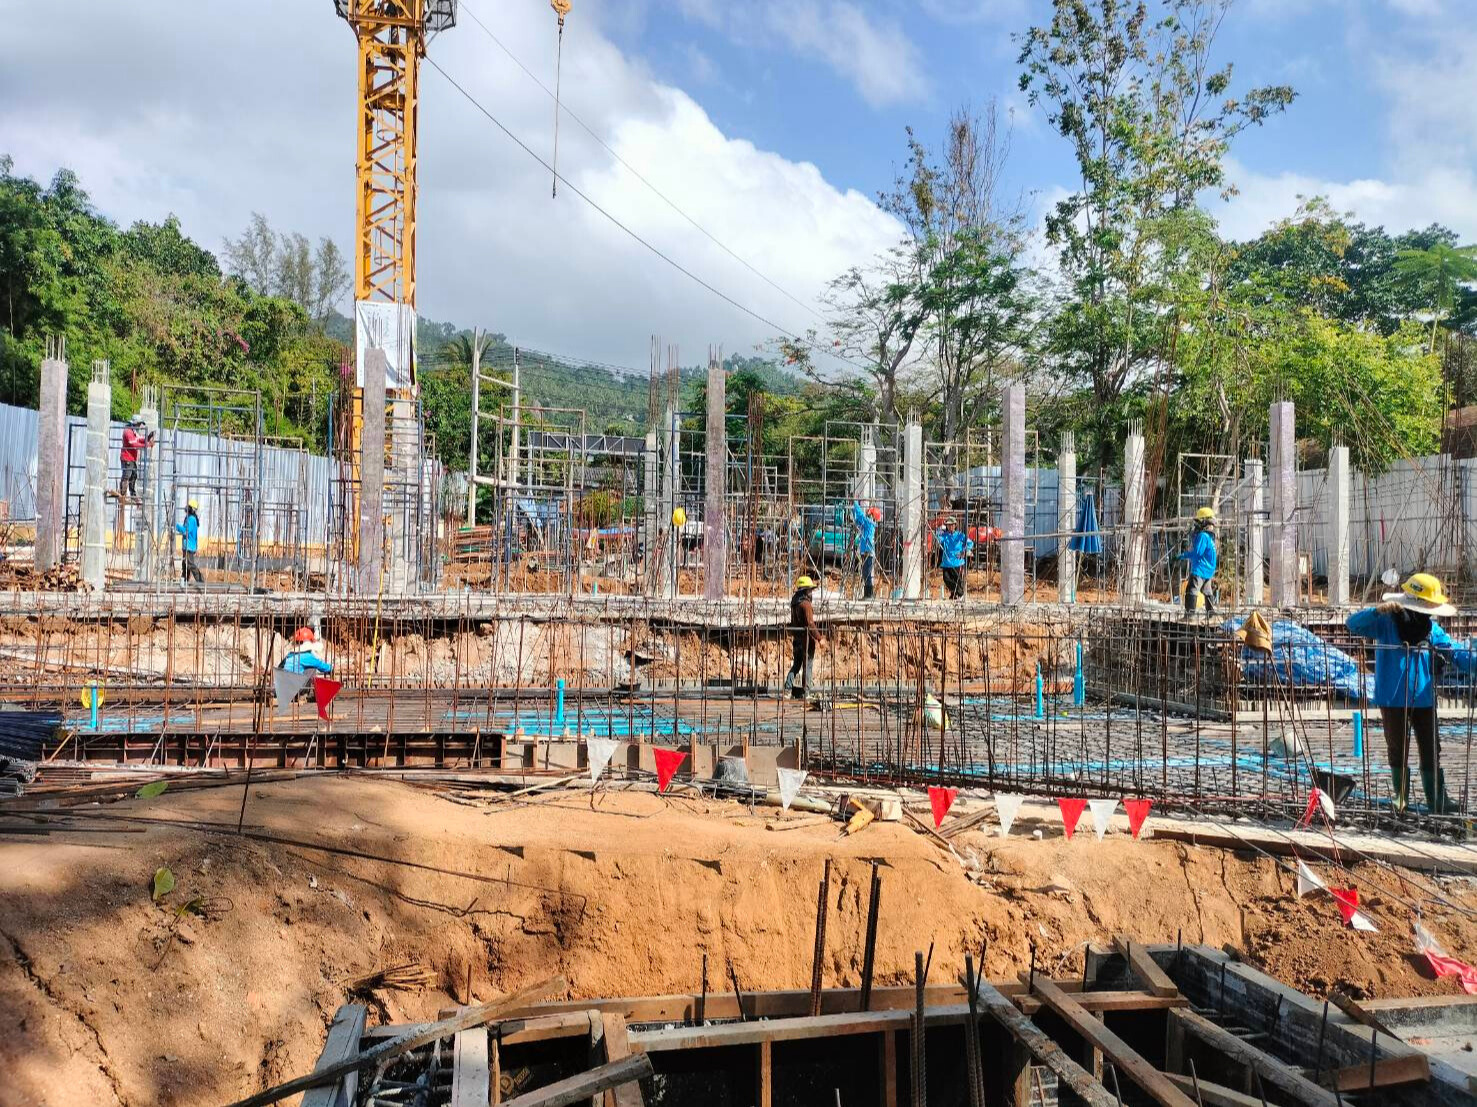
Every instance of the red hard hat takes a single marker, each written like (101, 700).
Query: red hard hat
(875, 513)
(303, 634)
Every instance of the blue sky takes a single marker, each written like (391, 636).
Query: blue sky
(771, 124)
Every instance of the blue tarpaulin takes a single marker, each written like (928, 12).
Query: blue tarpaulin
(1085, 537)
(1300, 659)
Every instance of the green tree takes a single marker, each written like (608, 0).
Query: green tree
(1436, 273)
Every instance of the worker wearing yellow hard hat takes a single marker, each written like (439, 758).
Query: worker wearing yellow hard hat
(1406, 635)
(1200, 552)
(804, 635)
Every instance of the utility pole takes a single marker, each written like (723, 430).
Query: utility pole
(476, 412)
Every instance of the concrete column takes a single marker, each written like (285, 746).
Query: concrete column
(146, 521)
(866, 467)
(1135, 519)
(1282, 460)
(671, 549)
(51, 457)
(650, 500)
(914, 510)
(1013, 498)
(1066, 518)
(1338, 525)
(1254, 507)
(404, 514)
(715, 484)
(370, 568)
(94, 524)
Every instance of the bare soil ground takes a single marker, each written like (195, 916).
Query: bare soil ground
(107, 997)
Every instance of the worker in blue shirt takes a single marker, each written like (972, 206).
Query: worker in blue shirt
(1200, 552)
(190, 529)
(866, 544)
(303, 656)
(1408, 640)
(954, 547)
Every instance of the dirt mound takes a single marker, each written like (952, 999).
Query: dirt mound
(106, 996)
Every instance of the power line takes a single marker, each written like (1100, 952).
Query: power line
(633, 170)
(688, 273)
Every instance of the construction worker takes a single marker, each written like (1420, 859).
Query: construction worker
(1406, 635)
(303, 656)
(135, 440)
(954, 547)
(190, 531)
(1200, 552)
(866, 544)
(804, 635)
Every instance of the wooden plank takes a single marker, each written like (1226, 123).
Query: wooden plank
(752, 1033)
(1401, 1003)
(1155, 980)
(618, 1045)
(1214, 1095)
(889, 1069)
(765, 1076)
(1046, 1052)
(1388, 1073)
(471, 1079)
(1114, 1048)
(1109, 1001)
(1286, 1079)
(344, 1036)
(583, 1085)
(413, 1039)
(544, 1028)
(765, 1005)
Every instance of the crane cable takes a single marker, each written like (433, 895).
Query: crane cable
(561, 9)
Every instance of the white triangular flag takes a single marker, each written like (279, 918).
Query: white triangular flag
(1006, 806)
(1360, 921)
(790, 782)
(600, 751)
(1425, 942)
(1102, 812)
(1308, 880)
(286, 686)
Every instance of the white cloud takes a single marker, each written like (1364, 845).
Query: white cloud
(168, 110)
(878, 58)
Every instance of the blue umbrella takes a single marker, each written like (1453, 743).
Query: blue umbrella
(1085, 538)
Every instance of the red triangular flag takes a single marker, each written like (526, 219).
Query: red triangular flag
(667, 763)
(1138, 811)
(1307, 819)
(1348, 901)
(323, 691)
(1071, 811)
(940, 799)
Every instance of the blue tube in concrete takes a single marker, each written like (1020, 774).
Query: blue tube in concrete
(92, 702)
(559, 702)
(1040, 694)
(1079, 690)
(1359, 734)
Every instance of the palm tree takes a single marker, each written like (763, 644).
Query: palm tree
(1437, 272)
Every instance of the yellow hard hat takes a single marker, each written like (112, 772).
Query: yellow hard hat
(679, 516)
(1205, 514)
(193, 506)
(804, 582)
(1426, 588)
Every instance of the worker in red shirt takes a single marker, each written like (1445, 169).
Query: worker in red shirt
(135, 439)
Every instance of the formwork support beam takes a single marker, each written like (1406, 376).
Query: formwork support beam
(1338, 525)
(1135, 520)
(913, 509)
(1066, 518)
(715, 483)
(1282, 458)
(372, 475)
(1254, 507)
(51, 456)
(1013, 496)
(94, 525)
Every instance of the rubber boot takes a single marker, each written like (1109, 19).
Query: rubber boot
(1401, 780)
(1434, 784)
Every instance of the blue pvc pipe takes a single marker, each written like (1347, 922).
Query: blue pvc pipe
(1040, 694)
(1359, 734)
(559, 702)
(92, 700)
(1079, 690)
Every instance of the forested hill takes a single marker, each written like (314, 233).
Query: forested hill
(264, 314)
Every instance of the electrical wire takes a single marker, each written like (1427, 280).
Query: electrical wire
(564, 108)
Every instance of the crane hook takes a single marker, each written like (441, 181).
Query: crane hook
(561, 9)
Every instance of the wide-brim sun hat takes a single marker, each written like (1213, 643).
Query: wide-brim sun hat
(1422, 592)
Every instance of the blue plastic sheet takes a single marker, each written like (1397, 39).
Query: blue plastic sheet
(1300, 659)
(1086, 539)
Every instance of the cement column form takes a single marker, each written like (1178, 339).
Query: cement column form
(672, 547)
(1282, 459)
(94, 523)
(1135, 520)
(1066, 518)
(146, 523)
(406, 515)
(913, 510)
(51, 457)
(1013, 497)
(371, 562)
(1339, 485)
(1255, 507)
(715, 484)
(650, 494)
(866, 467)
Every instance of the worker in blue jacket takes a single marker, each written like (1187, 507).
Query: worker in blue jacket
(1200, 552)
(1408, 641)
(866, 544)
(190, 530)
(303, 656)
(954, 547)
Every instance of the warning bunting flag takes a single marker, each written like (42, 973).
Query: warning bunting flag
(1007, 804)
(1348, 901)
(286, 686)
(600, 751)
(1071, 811)
(940, 799)
(1102, 813)
(323, 691)
(1442, 963)
(667, 764)
(1138, 811)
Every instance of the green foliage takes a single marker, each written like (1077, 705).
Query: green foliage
(152, 789)
(163, 883)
